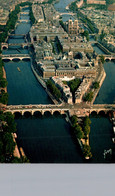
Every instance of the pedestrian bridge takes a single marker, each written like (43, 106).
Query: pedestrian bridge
(61, 109)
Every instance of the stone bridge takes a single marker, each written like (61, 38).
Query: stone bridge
(23, 20)
(93, 42)
(61, 108)
(24, 13)
(109, 57)
(15, 56)
(6, 45)
(67, 13)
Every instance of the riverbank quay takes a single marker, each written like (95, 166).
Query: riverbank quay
(43, 84)
(13, 16)
(104, 49)
(4, 77)
(100, 79)
(14, 155)
(16, 150)
(39, 77)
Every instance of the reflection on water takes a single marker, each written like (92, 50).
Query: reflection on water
(97, 49)
(61, 5)
(107, 91)
(47, 140)
(23, 88)
(67, 17)
(101, 139)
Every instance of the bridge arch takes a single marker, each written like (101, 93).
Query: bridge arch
(27, 114)
(93, 113)
(25, 59)
(48, 112)
(102, 113)
(37, 114)
(4, 48)
(6, 60)
(107, 59)
(113, 60)
(56, 113)
(110, 113)
(18, 114)
(16, 59)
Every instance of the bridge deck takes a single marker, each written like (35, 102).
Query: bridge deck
(62, 109)
(61, 106)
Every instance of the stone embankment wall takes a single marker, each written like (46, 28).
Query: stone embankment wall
(103, 48)
(4, 76)
(16, 150)
(43, 84)
(100, 80)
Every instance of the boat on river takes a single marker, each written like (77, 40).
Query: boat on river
(18, 69)
(113, 140)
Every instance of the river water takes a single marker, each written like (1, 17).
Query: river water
(61, 5)
(47, 139)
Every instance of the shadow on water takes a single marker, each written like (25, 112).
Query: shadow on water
(47, 139)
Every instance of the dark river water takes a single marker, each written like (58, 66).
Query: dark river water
(47, 139)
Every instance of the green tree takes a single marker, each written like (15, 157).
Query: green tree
(86, 130)
(73, 7)
(74, 120)
(3, 83)
(74, 84)
(11, 125)
(25, 159)
(16, 160)
(4, 98)
(86, 121)
(86, 151)
(102, 35)
(88, 97)
(86, 34)
(20, 160)
(1, 151)
(102, 59)
(1, 62)
(96, 85)
(78, 132)
(53, 89)
(1, 116)
(9, 144)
